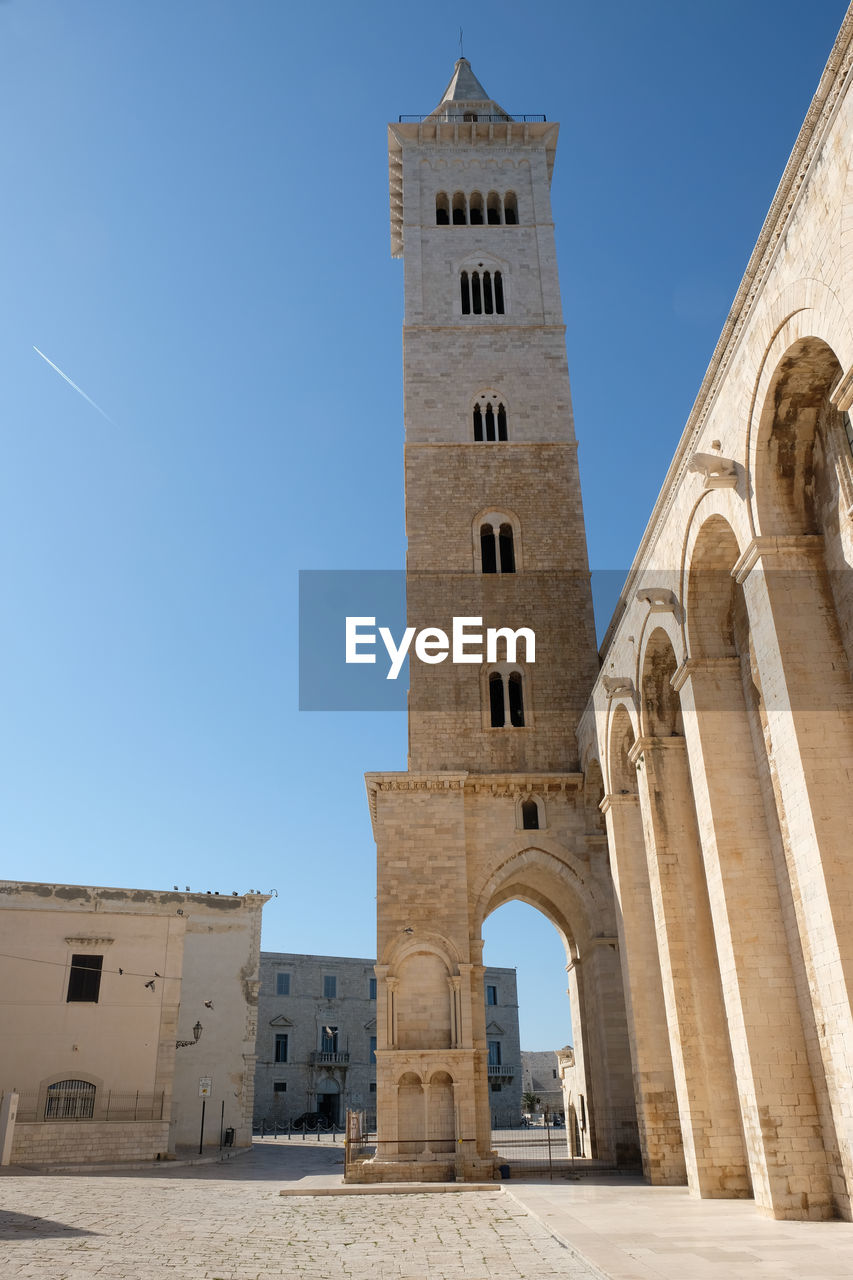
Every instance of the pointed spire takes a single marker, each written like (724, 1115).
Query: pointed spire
(464, 94)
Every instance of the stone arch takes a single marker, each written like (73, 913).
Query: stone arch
(549, 874)
(796, 410)
(441, 1113)
(559, 891)
(710, 594)
(660, 705)
(495, 518)
(744, 860)
(622, 736)
(593, 795)
(424, 1018)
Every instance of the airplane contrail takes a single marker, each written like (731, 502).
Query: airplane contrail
(79, 390)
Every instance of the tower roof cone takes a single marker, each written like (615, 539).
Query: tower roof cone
(465, 92)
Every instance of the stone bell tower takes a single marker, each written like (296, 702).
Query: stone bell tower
(493, 805)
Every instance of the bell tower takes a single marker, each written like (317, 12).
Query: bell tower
(493, 805)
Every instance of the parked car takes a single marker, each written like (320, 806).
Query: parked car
(312, 1121)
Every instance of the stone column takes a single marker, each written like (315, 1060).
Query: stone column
(654, 1083)
(696, 1015)
(808, 701)
(391, 985)
(777, 1099)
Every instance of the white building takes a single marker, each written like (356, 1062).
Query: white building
(123, 1012)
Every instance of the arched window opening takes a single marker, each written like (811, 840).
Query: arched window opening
(507, 549)
(496, 700)
(530, 815)
(70, 1100)
(478, 422)
(488, 303)
(470, 117)
(442, 210)
(516, 701)
(476, 294)
(510, 209)
(493, 209)
(502, 422)
(488, 549)
(490, 422)
(466, 295)
(460, 210)
(499, 294)
(476, 209)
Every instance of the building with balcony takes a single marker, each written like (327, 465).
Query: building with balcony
(316, 1047)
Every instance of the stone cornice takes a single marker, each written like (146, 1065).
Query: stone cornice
(495, 784)
(615, 798)
(695, 666)
(807, 544)
(809, 141)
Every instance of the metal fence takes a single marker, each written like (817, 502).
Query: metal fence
(537, 1150)
(77, 1105)
(290, 1129)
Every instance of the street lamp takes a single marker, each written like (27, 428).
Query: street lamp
(184, 1044)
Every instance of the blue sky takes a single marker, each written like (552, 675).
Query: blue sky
(195, 227)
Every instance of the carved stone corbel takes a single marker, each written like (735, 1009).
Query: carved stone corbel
(719, 472)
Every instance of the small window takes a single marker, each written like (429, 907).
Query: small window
(84, 981)
(496, 1086)
(506, 549)
(510, 209)
(488, 550)
(279, 1086)
(330, 986)
(372, 989)
(499, 293)
(491, 995)
(516, 701)
(372, 1057)
(555, 1073)
(466, 294)
(478, 422)
(502, 422)
(442, 210)
(476, 294)
(70, 1100)
(493, 209)
(282, 984)
(530, 815)
(494, 1047)
(475, 209)
(372, 1086)
(280, 1049)
(506, 700)
(460, 210)
(496, 700)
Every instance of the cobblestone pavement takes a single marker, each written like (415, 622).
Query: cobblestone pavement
(228, 1222)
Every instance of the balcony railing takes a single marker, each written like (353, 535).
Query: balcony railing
(471, 117)
(320, 1058)
(496, 1069)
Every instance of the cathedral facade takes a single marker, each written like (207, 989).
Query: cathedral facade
(678, 804)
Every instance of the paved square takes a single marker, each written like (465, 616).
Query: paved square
(228, 1222)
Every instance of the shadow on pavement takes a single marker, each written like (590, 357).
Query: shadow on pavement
(20, 1226)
